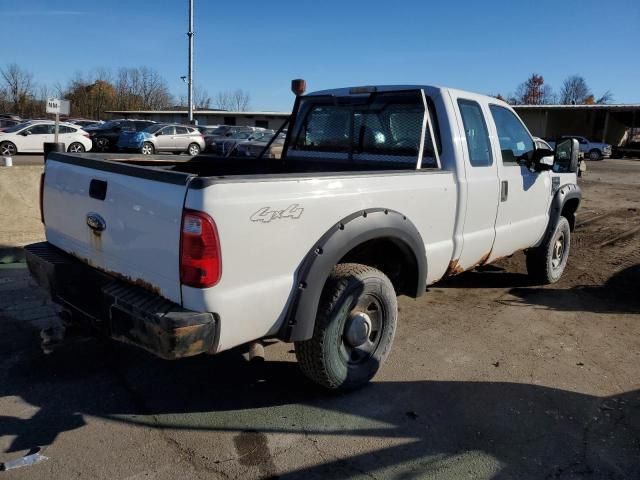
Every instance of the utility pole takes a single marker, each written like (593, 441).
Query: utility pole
(190, 79)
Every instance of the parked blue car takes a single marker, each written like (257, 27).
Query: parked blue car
(132, 140)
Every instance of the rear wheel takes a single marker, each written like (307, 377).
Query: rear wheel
(147, 148)
(194, 149)
(76, 147)
(354, 328)
(102, 143)
(8, 149)
(595, 154)
(547, 262)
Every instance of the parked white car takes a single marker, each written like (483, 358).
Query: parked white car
(31, 136)
(380, 191)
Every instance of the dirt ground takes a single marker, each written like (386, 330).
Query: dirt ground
(490, 377)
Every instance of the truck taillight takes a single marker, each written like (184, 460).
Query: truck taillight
(42, 197)
(200, 262)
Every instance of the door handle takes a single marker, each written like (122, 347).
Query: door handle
(504, 190)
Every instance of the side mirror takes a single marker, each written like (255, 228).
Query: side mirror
(565, 155)
(26, 133)
(542, 159)
(158, 133)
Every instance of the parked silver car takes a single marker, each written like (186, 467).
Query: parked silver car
(163, 137)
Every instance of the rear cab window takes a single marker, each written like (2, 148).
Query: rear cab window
(476, 133)
(382, 127)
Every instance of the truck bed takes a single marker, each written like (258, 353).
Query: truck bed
(170, 166)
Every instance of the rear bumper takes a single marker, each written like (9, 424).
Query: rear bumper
(124, 312)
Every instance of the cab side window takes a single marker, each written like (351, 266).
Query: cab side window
(169, 131)
(515, 142)
(475, 130)
(181, 131)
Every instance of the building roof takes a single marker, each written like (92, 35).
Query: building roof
(201, 112)
(599, 106)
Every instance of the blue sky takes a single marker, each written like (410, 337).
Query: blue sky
(487, 47)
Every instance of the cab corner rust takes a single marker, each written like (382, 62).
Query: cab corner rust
(454, 268)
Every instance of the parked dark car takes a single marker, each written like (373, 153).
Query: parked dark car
(223, 132)
(8, 122)
(105, 137)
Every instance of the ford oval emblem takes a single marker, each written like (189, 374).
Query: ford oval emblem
(96, 222)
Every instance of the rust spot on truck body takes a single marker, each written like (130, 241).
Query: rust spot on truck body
(453, 269)
(139, 282)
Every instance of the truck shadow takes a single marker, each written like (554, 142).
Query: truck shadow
(412, 428)
(618, 294)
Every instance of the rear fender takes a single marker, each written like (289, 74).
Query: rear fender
(342, 238)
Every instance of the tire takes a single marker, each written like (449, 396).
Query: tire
(147, 148)
(8, 149)
(546, 263)
(76, 147)
(102, 144)
(358, 304)
(193, 149)
(595, 154)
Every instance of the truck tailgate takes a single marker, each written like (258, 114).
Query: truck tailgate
(122, 219)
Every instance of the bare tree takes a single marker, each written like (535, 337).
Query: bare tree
(201, 98)
(237, 101)
(607, 97)
(240, 100)
(223, 101)
(18, 84)
(574, 91)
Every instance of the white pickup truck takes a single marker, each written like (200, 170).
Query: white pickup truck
(380, 192)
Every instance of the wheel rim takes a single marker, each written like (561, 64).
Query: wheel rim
(594, 155)
(558, 252)
(8, 149)
(194, 150)
(362, 330)
(76, 148)
(102, 143)
(147, 149)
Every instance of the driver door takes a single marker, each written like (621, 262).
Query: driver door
(523, 211)
(36, 137)
(166, 142)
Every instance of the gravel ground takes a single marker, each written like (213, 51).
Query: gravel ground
(490, 377)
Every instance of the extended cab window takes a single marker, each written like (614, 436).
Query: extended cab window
(475, 130)
(515, 142)
(381, 126)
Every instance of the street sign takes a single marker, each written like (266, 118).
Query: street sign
(61, 107)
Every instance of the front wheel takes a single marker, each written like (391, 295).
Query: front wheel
(76, 147)
(547, 262)
(354, 328)
(147, 148)
(8, 149)
(194, 149)
(595, 154)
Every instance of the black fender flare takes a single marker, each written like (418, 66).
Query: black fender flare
(562, 195)
(341, 238)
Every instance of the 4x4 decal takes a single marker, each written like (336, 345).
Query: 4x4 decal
(265, 214)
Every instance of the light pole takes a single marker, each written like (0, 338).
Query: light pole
(190, 79)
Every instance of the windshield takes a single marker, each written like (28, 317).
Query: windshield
(383, 127)
(17, 127)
